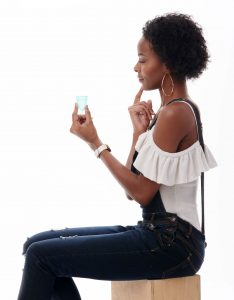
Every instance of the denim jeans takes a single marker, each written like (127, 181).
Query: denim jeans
(117, 252)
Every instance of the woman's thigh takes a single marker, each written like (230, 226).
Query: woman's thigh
(124, 255)
(109, 253)
(72, 232)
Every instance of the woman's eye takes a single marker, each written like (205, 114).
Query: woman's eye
(140, 61)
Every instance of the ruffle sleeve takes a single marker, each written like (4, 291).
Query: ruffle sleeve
(171, 168)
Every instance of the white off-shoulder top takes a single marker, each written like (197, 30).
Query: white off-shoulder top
(178, 174)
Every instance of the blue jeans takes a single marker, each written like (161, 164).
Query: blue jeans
(134, 252)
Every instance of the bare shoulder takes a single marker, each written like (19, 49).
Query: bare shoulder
(178, 117)
(171, 127)
(181, 112)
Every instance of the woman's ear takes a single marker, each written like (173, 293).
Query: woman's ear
(165, 69)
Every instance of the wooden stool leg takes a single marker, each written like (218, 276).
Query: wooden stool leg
(182, 288)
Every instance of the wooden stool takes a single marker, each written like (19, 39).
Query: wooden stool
(182, 288)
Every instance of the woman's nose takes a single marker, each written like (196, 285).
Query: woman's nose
(135, 68)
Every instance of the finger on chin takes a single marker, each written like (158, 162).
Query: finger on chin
(138, 95)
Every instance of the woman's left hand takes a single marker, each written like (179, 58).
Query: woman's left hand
(82, 126)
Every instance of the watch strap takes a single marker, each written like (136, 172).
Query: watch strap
(101, 148)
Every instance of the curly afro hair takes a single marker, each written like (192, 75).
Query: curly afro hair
(179, 43)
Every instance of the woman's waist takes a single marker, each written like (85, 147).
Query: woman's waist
(165, 220)
(170, 224)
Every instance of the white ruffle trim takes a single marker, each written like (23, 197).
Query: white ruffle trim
(171, 168)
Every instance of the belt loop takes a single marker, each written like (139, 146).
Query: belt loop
(189, 231)
(152, 217)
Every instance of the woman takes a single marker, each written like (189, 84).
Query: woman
(161, 174)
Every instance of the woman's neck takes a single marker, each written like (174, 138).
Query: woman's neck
(179, 91)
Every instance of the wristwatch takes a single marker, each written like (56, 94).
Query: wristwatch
(99, 150)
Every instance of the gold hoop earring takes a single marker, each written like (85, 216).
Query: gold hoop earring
(172, 83)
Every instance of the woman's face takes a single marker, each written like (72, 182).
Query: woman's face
(149, 67)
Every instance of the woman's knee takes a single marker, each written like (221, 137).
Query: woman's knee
(41, 236)
(36, 238)
(35, 249)
(26, 245)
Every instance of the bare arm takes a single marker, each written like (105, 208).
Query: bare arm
(138, 187)
(130, 156)
(138, 127)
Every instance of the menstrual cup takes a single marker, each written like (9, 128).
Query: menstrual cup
(82, 102)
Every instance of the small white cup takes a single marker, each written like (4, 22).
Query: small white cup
(82, 102)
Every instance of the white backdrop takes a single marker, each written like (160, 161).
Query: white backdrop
(53, 50)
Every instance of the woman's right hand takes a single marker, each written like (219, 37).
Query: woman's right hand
(141, 113)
